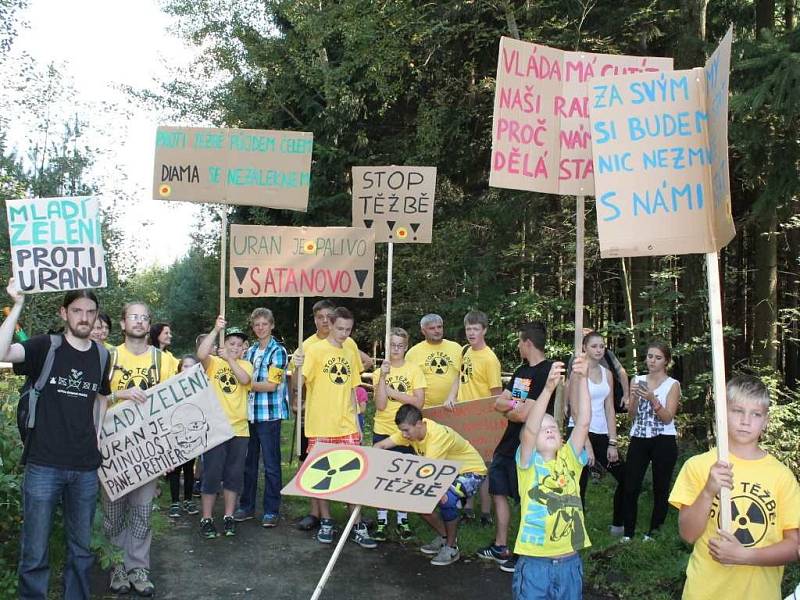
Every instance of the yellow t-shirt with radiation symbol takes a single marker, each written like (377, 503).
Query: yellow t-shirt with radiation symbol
(232, 395)
(404, 379)
(439, 363)
(765, 502)
(442, 442)
(136, 370)
(480, 372)
(551, 512)
(331, 375)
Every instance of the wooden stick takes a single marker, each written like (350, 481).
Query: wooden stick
(223, 257)
(718, 370)
(337, 551)
(298, 373)
(580, 222)
(389, 266)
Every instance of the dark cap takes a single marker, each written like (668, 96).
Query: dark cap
(235, 331)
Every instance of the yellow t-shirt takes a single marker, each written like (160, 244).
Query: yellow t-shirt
(439, 363)
(551, 514)
(169, 363)
(331, 375)
(232, 395)
(765, 503)
(404, 379)
(348, 343)
(442, 442)
(136, 370)
(480, 372)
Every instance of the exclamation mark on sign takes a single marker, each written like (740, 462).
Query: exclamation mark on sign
(391, 226)
(414, 226)
(240, 273)
(361, 277)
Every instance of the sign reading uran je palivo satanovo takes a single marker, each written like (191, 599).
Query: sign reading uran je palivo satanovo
(372, 477)
(541, 139)
(233, 166)
(301, 261)
(56, 243)
(660, 144)
(181, 419)
(397, 202)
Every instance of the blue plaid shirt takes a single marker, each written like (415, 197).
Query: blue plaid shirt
(268, 406)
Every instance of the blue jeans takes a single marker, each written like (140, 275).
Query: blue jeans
(43, 488)
(265, 440)
(539, 578)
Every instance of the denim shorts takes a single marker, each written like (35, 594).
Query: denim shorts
(541, 578)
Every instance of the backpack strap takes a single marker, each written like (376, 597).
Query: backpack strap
(114, 357)
(155, 357)
(104, 355)
(41, 381)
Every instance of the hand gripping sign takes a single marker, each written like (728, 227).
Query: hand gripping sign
(372, 477)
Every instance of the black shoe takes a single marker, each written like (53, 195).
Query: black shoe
(308, 523)
(509, 565)
(229, 526)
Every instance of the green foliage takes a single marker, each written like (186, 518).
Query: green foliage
(10, 484)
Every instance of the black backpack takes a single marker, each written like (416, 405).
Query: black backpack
(30, 390)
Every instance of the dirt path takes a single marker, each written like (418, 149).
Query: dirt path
(285, 564)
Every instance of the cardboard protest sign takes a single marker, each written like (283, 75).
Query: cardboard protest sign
(181, 419)
(541, 139)
(301, 261)
(233, 166)
(371, 477)
(395, 201)
(56, 243)
(660, 150)
(477, 421)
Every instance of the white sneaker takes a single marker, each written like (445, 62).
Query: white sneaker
(616, 530)
(446, 556)
(647, 538)
(625, 540)
(434, 546)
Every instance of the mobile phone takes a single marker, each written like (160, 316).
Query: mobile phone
(642, 384)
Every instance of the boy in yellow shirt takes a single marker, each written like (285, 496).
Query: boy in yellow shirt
(231, 378)
(331, 410)
(430, 439)
(396, 383)
(551, 529)
(765, 506)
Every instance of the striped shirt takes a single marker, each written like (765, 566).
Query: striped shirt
(269, 365)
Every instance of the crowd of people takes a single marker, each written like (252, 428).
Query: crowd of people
(532, 465)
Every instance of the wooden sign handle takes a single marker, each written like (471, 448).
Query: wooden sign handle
(580, 242)
(223, 257)
(335, 556)
(298, 375)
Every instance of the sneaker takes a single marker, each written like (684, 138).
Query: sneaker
(446, 556)
(140, 580)
(404, 531)
(308, 523)
(468, 514)
(616, 530)
(240, 515)
(625, 540)
(175, 510)
(434, 546)
(379, 535)
(498, 554)
(119, 580)
(325, 533)
(207, 529)
(190, 507)
(360, 536)
(196, 489)
(486, 520)
(509, 565)
(647, 538)
(228, 526)
(269, 520)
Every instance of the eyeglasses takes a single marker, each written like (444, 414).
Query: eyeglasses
(397, 346)
(139, 318)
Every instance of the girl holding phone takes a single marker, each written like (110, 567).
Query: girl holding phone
(654, 402)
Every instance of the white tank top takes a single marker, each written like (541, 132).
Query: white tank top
(598, 392)
(647, 424)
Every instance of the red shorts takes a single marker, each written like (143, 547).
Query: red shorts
(354, 439)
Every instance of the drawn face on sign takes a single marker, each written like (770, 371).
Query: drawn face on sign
(190, 428)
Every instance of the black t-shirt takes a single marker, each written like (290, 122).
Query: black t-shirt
(526, 384)
(64, 435)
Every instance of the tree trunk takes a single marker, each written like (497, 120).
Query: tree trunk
(765, 290)
(788, 14)
(765, 15)
(692, 52)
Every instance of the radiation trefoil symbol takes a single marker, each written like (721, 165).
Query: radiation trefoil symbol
(748, 520)
(332, 471)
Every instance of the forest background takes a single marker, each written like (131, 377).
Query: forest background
(409, 82)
